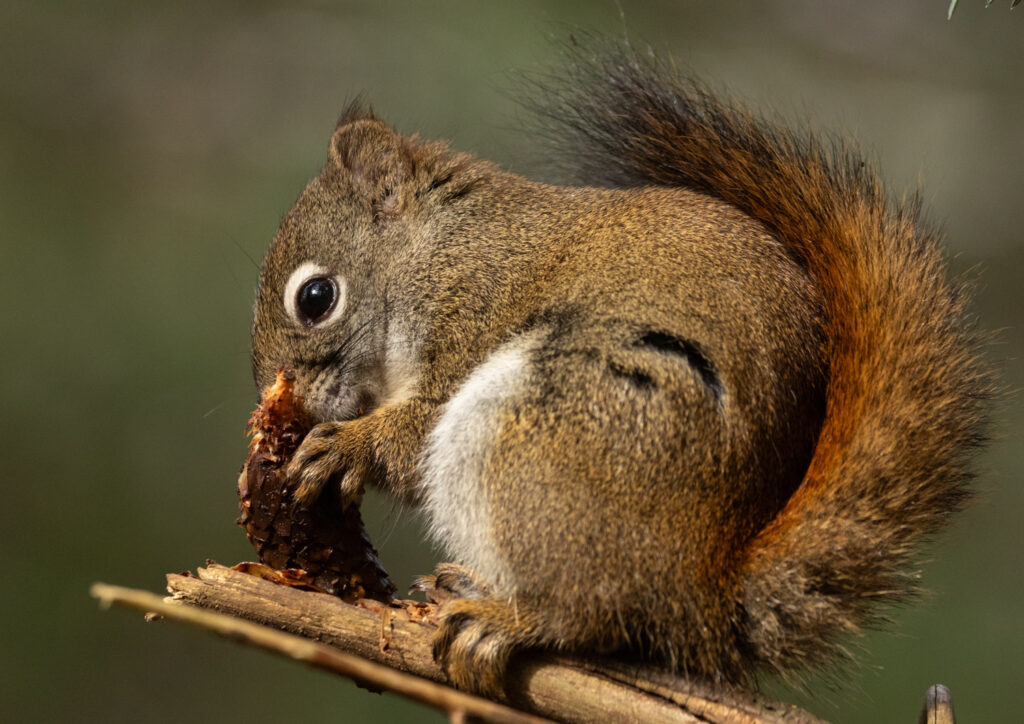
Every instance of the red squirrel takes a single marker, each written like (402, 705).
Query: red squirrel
(698, 411)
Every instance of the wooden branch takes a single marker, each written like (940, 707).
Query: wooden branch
(398, 638)
(456, 704)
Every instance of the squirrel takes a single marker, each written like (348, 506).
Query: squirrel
(697, 412)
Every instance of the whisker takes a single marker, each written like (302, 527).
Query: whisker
(214, 409)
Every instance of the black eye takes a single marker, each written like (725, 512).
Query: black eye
(316, 298)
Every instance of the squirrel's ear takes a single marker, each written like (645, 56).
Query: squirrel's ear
(373, 156)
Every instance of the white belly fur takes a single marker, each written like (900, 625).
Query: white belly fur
(454, 496)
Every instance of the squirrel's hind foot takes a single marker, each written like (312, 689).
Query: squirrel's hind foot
(476, 640)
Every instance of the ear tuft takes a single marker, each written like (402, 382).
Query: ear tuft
(356, 110)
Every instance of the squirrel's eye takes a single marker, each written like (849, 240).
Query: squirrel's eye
(313, 295)
(316, 298)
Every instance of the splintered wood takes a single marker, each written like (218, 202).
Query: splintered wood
(320, 547)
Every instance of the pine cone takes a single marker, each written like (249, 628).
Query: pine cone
(320, 546)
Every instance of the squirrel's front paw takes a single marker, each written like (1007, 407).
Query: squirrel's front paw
(475, 640)
(330, 452)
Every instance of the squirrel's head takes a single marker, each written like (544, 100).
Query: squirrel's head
(324, 289)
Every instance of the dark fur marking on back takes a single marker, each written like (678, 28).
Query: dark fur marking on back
(454, 191)
(462, 191)
(687, 350)
(440, 181)
(635, 377)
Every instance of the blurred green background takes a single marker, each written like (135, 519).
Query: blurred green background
(147, 152)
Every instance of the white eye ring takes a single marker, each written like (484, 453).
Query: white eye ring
(298, 279)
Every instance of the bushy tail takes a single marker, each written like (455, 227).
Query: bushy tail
(906, 395)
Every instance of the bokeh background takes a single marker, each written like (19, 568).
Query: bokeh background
(147, 152)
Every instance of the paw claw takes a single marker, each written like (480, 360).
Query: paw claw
(425, 585)
(450, 581)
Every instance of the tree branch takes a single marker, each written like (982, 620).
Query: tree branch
(372, 642)
(366, 673)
